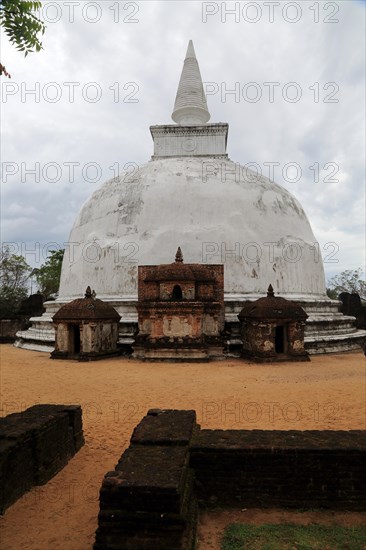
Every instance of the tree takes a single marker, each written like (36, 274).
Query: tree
(48, 275)
(22, 26)
(14, 275)
(332, 294)
(348, 281)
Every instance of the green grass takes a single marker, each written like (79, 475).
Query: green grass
(293, 537)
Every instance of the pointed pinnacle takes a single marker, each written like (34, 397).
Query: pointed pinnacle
(190, 106)
(270, 292)
(190, 50)
(179, 255)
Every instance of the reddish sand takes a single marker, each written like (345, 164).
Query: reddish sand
(326, 393)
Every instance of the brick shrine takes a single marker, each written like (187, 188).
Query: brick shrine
(272, 329)
(180, 311)
(86, 329)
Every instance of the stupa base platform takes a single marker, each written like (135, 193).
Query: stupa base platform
(327, 330)
(176, 353)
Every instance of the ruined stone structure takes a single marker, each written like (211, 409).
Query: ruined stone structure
(34, 445)
(19, 320)
(191, 194)
(272, 329)
(86, 329)
(352, 305)
(9, 329)
(180, 311)
(150, 499)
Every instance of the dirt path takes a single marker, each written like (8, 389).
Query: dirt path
(326, 393)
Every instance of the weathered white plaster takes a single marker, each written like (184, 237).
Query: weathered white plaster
(190, 103)
(214, 210)
(186, 141)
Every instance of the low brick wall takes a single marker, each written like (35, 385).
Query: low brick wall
(149, 501)
(280, 468)
(34, 446)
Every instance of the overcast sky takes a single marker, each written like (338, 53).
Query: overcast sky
(109, 70)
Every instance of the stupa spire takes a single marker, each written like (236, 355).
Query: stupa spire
(190, 106)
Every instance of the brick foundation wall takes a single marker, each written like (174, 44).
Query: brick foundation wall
(149, 501)
(280, 468)
(34, 446)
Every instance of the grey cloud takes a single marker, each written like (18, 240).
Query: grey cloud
(151, 54)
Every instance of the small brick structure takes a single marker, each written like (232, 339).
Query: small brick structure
(180, 311)
(86, 329)
(272, 329)
(34, 445)
(150, 500)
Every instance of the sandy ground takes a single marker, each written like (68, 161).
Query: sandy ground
(327, 393)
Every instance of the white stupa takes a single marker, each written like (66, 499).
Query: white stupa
(190, 194)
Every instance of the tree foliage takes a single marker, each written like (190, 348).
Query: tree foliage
(350, 281)
(332, 293)
(14, 275)
(21, 25)
(48, 275)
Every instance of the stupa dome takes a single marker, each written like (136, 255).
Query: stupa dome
(256, 228)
